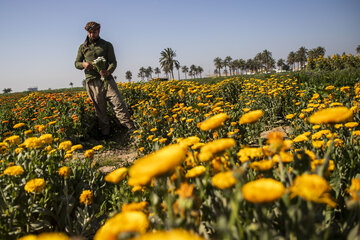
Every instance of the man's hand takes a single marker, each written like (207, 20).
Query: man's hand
(87, 65)
(104, 73)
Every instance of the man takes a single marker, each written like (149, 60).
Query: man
(99, 91)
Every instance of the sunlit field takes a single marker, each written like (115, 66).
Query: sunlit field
(272, 156)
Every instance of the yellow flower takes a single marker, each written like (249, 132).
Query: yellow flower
(46, 236)
(116, 176)
(134, 206)
(351, 124)
(27, 132)
(14, 171)
(196, 171)
(156, 163)
(35, 185)
(19, 125)
(64, 171)
(15, 139)
(209, 149)
(65, 145)
(86, 197)
(213, 122)
(98, 147)
(331, 115)
(354, 189)
(262, 165)
(246, 154)
(40, 128)
(174, 234)
(356, 133)
(223, 180)
(290, 116)
(123, 222)
(190, 141)
(89, 153)
(185, 190)
(18, 150)
(263, 190)
(301, 138)
(312, 188)
(76, 147)
(284, 156)
(33, 142)
(46, 138)
(275, 141)
(251, 117)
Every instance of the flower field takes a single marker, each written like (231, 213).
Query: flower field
(209, 164)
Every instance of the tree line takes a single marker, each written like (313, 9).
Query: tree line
(262, 62)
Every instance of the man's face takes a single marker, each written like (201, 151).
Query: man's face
(94, 34)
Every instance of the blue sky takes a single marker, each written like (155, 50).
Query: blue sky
(40, 38)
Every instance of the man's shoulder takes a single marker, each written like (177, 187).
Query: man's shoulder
(102, 41)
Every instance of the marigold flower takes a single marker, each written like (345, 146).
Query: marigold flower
(89, 153)
(65, 145)
(223, 180)
(64, 171)
(134, 206)
(178, 234)
(263, 190)
(116, 176)
(19, 125)
(18, 150)
(33, 142)
(40, 128)
(46, 236)
(331, 115)
(86, 197)
(35, 185)
(14, 171)
(262, 165)
(301, 138)
(98, 147)
(275, 140)
(196, 171)
(46, 138)
(246, 154)
(189, 141)
(185, 190)
(128, 221)
(251, 117)
(351, 124)
(213, 122)
(27, 132)
(313, 188)
(156, 163)
(354, 189)
(76, 147)
(15, 139)
(290, 116)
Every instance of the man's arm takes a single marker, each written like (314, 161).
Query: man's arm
(111, 59)
(79, 59)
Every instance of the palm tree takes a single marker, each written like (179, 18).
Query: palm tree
(167, 60)
(316, 52)
(193, 70)
(141, 73)
(242, 65)
(218, 62)
(280, 63)
(291, 60)
(157, 71)
(267, 60)
(358, 49)
(177, 66)
(148, 72)
(185, 70)
(128, 75)
(227, 61)
(71, 84)
(200, 70)
(300, 56)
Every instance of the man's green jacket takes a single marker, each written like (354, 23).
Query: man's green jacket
(91, 51)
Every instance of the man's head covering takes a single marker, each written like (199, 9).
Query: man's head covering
(92, 26)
